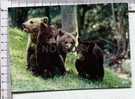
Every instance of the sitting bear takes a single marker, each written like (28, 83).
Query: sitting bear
(32, 27)
(49, 61)
(90, 63)
(65, 42)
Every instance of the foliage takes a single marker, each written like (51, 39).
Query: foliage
(17, 17)
(99, 20)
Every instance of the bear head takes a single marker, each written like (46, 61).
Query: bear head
(32, 25)
(66, 41)
(85, 48)
(47, 34)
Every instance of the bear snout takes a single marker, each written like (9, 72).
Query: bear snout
(68, 46)
(23, 25)
(25, 28)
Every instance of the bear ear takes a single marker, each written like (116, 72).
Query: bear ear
(79, 39)
(42, 26)
(75, 34)
(91, 45)
(45, 20)
(61, 33)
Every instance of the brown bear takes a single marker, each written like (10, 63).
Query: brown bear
(65, 42)
(49, 61)
(90, 63)
(43, 36)
(32, 27)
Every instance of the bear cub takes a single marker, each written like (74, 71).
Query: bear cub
(49, 61)
(65, 43)
(90, 63)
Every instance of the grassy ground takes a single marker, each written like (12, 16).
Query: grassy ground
(23, 80)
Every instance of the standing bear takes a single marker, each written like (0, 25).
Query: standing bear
(90, 63)
(32, 27)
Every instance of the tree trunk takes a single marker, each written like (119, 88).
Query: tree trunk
(69, 20)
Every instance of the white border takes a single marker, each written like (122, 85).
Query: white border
(24, 3)
(84, 94)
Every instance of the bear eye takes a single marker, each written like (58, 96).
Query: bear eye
(31, 22)
(50, 36)
(66, 42)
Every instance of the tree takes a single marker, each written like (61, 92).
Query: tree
(17, 16)
(69, 20)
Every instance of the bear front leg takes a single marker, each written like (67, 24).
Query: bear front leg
(60, 63)
(29, 54)
(40, 55)
(80, 68)
(64, 56)
(100, 74)
(40, 59)
(100, 67)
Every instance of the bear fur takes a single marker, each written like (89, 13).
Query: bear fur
(32, 27)
(49, 61)
(41, 38)
(90, 63)
(66, 42)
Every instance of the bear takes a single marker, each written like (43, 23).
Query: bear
(90, 63)
(65, 42)
(32, 26)
(49, 61)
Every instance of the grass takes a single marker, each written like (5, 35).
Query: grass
(23, 80)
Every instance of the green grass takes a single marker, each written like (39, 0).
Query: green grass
(23, 80)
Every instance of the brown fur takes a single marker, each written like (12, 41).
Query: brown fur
(66, 42)
(90, 64)
(32, 27)
(49, 60)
